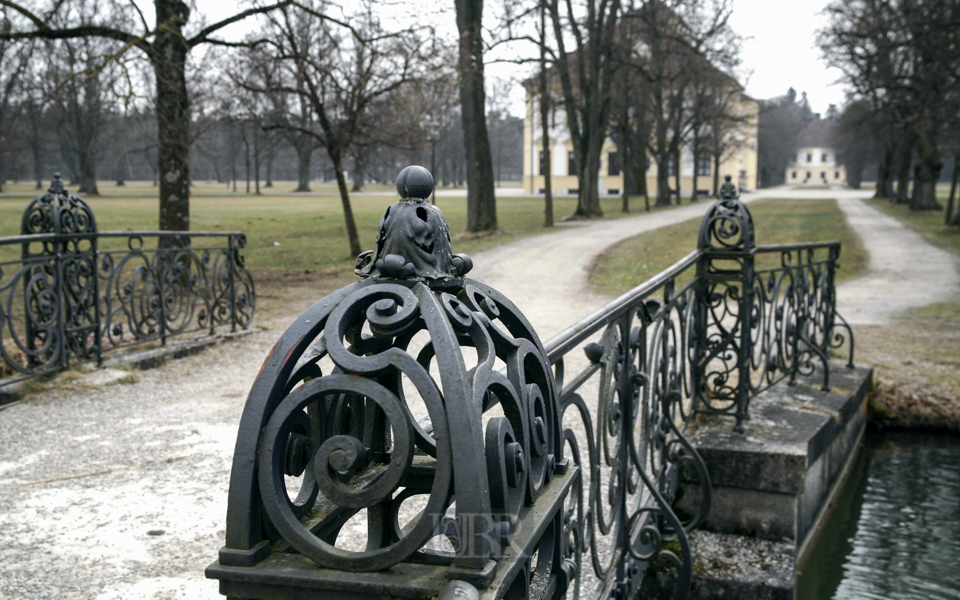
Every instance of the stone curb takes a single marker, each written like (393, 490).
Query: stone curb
(115, 369)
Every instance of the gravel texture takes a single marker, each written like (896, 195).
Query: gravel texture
(119, 491)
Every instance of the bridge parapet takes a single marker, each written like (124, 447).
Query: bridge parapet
(69, 292)
(409, 435)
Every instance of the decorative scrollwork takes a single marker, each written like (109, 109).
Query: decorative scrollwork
(371, 334)
(631, 453)
(727, 225)
(68, 297)
(419, 384)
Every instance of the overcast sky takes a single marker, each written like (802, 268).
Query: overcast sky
(779, 50)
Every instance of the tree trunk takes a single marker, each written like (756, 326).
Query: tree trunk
(358, 172)
(481, 201)
(121, 167)
(953, 189)
(352, 235)
(927, 171)
(38, 166)
(885, 174)
(588, 168)
(256, 158)
(904, 159)
(716, 175)
(589, 205)
(624, 151)
(663, 181)
(304, 154)
(173, 119)
(88, 174)
(662, 155)
(246, 160)
(679, 173)
(545, 125)
(36, 143)
(638, 166)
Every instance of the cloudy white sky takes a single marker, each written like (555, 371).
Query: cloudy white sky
(779, 50)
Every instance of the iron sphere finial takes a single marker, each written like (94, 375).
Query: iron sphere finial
(56, 185)
(415, 182)
(413, 240)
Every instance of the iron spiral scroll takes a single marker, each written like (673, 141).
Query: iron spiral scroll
(410, 430)
(75, 293)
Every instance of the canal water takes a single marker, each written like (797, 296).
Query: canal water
(894, 531)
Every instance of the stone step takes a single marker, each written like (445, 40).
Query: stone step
(771, 480)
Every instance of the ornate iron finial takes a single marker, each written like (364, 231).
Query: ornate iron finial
(728, 225)
(413, 241)
(56, 186)
(370, 357)
(58, 211)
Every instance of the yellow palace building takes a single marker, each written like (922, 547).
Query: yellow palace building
(740, 161)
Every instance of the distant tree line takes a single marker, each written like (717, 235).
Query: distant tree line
(901, 63)
(99, 90)
(781, 121)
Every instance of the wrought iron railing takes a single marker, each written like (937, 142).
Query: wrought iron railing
(70, 292)
(410, 436)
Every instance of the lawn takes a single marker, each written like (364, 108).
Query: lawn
(917, 355)
(308, 227)
(777, 221)
(296, 242)
(929, 224)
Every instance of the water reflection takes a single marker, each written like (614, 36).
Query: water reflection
(895, 530)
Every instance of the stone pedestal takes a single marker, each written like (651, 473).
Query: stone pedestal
(772, 483)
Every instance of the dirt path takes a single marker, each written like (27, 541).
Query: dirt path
(546, 275)
(120, 492)
(904, 271)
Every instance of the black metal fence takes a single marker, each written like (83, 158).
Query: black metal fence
(410, 436)
(69, 292)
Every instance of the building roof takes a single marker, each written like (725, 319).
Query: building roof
(817, 134)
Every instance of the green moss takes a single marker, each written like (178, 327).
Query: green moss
(878, 411)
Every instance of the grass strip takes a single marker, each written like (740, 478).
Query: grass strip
(917, 355)
(777, 221)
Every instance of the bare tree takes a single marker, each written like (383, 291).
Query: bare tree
(781, 121)
(545, 104)
(481, 201)
(166, 45)
(338, 72)
(13, 64)
(903, 54)
(674, 43)
(586, 75)
(82, 91)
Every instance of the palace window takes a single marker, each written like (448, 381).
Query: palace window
(793, 175)
(824, 157)
(571, 164)
(836, 174)
(613, 163)
(543, 163)
(809, 157)
(703, 164)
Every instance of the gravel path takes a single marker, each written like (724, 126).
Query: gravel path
(120, 492)
(904, 270)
